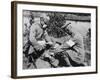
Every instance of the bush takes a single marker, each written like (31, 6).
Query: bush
(57, 20)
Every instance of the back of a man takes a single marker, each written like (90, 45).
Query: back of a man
(76, 47)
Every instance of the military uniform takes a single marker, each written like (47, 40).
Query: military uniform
(75, 51)
(38, 39)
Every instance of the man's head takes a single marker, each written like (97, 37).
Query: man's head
(68, 28)
(44, 19)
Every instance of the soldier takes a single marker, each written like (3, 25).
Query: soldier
(75, 47)
(37, 40)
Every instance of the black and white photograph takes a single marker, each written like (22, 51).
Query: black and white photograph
(53, 39)
(56, 39)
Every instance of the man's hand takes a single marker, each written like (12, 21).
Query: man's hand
(41, 42)
(51, 43)
(58, 48)
(39, 47)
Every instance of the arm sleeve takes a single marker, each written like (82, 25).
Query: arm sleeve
(47, 37)
(79, 47)
(32, 36)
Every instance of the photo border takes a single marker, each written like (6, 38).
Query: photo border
(14, 37)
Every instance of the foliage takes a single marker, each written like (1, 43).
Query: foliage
(57, 20)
